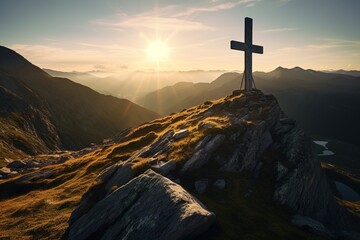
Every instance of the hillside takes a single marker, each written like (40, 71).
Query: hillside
(324, 104)
(185, 94)
(40, 113)
(231, 168)
(131, 85)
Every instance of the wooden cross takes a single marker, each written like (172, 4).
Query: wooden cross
(248, 48)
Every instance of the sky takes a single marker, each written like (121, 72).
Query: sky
(120, 35)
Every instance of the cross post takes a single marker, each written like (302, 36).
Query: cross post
(248, 48)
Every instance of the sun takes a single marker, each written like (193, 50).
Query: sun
(157, 51)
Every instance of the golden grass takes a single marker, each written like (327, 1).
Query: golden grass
(43, 212)
(353, 207)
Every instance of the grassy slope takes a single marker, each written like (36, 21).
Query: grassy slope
(39, 207)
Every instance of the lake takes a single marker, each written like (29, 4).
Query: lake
(347, 192)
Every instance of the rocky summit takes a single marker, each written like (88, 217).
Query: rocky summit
(232, 168)
(239, 159)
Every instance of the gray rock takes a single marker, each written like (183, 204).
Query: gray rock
(251, 144)
(281, 171)
(35, 175)
(153, 161)
(107, 181)
(199, 159)
(160, 145)
(201, 185)
(164, 167)
(181, 134)
(287, 121)
(208, 113)
(122, 175)
(17, 165)
(266, 141)
(206, 125)
(126, 213)
(234, 137)
(305, 180)
(282, 129)
(214, 143)
(311, 225)
(220, 159)
(202, 142)
(220, 184)
(258, 169)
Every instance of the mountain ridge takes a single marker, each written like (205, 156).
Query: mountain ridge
(315, 99)
(243, 159)
(77, 114)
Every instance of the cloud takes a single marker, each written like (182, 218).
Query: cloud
(68, 59)
(311, 48)
(342, 42)
(218, 7)
(277, 30)
(155, 22)
(170, 18)
(324, 46)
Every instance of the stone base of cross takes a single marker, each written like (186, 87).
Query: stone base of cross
(248, 48)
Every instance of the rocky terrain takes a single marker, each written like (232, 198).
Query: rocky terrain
(233, 168)
(325, 104)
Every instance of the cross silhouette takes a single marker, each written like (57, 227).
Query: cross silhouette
(248, 48)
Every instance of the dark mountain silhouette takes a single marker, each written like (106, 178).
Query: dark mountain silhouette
(346, 72)
(185, 94)
(40, 113)
(326, 104)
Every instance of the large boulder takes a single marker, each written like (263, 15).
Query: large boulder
(150, 206)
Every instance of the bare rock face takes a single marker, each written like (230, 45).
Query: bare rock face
(202, 156)
(303, 187)
(244, 135)
(150, 206)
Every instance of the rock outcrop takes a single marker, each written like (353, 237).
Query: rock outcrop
(245, 134)
(150, 206)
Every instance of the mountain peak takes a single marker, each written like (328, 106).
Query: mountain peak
(297, 68)
(14, 64)
(279, 69)
(43, 111)
(241, 157)
(205, 149)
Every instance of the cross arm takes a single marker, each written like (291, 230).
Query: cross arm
(257, 49)
(238, 46)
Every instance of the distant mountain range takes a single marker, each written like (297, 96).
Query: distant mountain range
(39, 113)
(346, 72)
(131, 85)
(326, 104)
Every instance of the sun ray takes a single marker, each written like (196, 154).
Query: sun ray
(157, 51)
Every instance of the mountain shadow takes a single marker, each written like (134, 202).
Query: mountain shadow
(39, 113)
